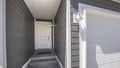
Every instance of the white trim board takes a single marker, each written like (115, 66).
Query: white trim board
(60, 64)
(26, 64)
(4, 33)
(53, 34)
(83, 10)
(68, 36)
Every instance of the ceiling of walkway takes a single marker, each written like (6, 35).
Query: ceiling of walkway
(43, 9)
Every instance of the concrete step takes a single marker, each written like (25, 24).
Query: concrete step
(43, 54)
(46, 63)
(42, 57)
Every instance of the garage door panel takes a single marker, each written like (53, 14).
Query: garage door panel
(105, 65)
(105, 45)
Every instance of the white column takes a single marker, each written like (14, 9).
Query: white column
(68, 35)
(1, 34)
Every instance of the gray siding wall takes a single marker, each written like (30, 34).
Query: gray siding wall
(75, 46)
(20, 33)
(106, 4)
(60, 32)
(74, 38)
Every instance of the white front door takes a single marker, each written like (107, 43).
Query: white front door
(43, 35)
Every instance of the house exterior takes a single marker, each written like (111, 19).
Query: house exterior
(73, 33)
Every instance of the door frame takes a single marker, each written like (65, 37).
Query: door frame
(47, 23)
(4, 33)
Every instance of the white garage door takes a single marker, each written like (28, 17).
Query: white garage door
(102, 37)
(103, 41)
